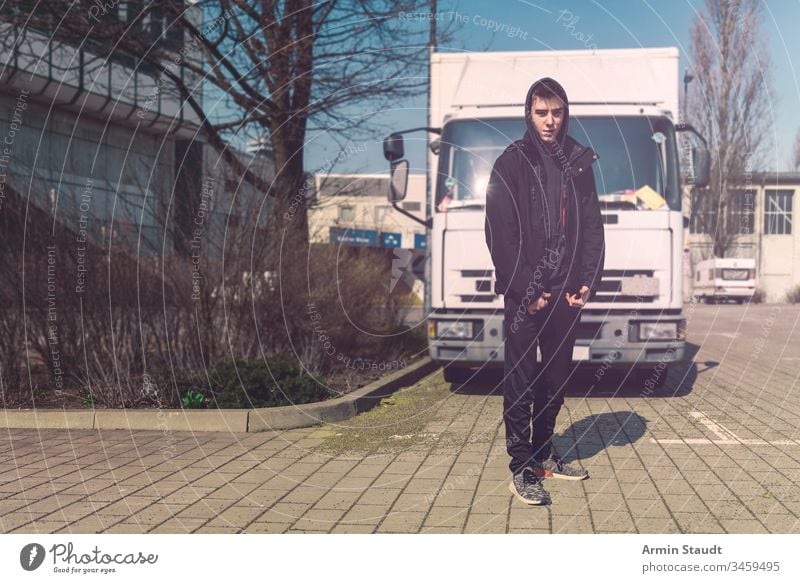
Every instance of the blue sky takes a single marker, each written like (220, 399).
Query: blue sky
(578, 24)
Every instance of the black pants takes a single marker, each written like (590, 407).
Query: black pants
(528, 384)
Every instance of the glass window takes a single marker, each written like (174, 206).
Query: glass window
(778, 212)
(633, 152)
(736, 274)
(703, 218)
(347, 214)
(380, 214)
(741, 215)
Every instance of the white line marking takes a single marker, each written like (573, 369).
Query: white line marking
(702, 441)
(715, 428)
(724, 436)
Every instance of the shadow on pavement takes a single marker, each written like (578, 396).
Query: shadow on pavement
(600, 381)
(598, 432)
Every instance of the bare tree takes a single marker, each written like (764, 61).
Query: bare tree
(279, 68)
(796, 153)
(730, 104)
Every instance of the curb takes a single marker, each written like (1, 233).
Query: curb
(227, 420)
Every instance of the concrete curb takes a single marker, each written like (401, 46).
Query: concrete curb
(350, 405)
(227, 420)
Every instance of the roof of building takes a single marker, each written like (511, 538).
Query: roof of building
(770, 178)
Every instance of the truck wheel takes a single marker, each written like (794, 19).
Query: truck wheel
(456, 374)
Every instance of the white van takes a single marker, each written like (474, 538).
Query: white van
(721, 279)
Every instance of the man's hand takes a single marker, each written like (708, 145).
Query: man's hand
(541, 302)
(578, 300)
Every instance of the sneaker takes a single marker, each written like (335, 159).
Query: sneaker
(555, 467)
(527, 488)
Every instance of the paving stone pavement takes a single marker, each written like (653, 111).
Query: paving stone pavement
(716, 450)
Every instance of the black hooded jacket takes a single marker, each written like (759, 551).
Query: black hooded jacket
(554, 157)
(515, 227)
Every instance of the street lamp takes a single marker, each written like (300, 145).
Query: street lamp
(687, 78)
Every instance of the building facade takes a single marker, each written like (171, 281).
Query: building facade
(760, 216)
(353, 209)
(107, 147)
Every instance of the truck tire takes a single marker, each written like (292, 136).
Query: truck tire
(456, 374)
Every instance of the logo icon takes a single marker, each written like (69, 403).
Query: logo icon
(31, 556)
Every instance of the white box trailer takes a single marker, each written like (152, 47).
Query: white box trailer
(725, 278)
(624, 104)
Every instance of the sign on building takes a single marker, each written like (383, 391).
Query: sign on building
(353, 237)
(391, 240)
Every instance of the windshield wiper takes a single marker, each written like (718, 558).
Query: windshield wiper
(617, 204)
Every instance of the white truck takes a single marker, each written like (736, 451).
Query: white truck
(725, 278)
(624, 104)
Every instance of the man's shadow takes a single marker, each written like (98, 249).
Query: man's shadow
(589, 436)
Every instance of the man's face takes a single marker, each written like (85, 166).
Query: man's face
(548, 115)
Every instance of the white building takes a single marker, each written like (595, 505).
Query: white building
(353, 209)
(761, 213)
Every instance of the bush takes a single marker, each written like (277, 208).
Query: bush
(245, 384)
(403, 341)
(110, 327)
(793, 295)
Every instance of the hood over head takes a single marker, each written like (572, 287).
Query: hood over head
(555, 87)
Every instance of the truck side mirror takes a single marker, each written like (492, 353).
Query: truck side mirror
(701, 161)
(393, 147)
(399, 180)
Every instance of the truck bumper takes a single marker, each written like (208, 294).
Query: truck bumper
(733, 292)
(600, 338)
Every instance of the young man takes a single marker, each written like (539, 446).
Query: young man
(545, 235)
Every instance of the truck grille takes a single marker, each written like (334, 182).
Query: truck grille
(608, 292)
(610, 289)
(482, 282)
(478, 298)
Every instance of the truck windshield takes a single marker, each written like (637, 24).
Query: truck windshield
(635, 152)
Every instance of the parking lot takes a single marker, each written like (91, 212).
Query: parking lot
(717, 449)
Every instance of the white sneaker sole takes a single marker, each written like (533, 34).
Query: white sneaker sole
(513, 490)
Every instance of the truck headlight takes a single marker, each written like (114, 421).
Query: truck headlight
(454, 329)
(658, 331)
